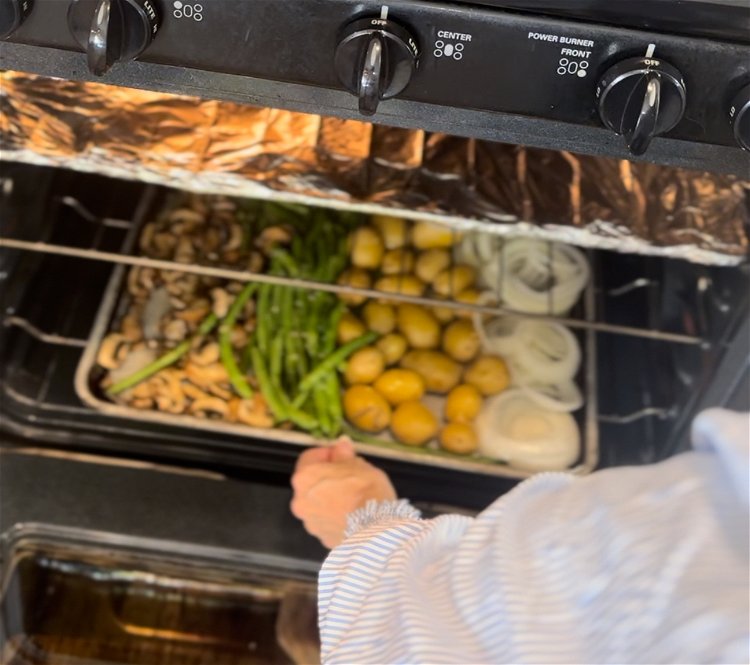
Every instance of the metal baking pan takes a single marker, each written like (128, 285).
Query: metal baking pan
(86, 386)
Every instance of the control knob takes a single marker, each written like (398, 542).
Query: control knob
(739, 116)
(12, 14)
(375, 60)
(112, 31)
(641, 98)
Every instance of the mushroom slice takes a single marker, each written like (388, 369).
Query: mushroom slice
(208, 354)
(131, 325)
(176, 330)
(193, 392)
(234, 241)
(254, 412)
(198, 310)
(144, 403)
(218, 390)
(112, 351)
(221, 301)
(209, 406)
(206, 376)
(185, 215)
(272, 236)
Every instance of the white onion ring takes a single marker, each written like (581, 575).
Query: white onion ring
(565, 396)
(514, 429)
(545, 352)
(496, 335)
(538, 277)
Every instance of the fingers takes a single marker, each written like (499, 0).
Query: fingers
(343, 450)
(313, 456)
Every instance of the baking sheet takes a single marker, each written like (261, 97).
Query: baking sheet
(218, 147)
(84, 386)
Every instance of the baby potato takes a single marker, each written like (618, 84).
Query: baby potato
(419, 326)
(364, 366)
(379, 317)
(413, 423)
(440, 372)
(393, 347)
(470, 297)
(397, 261)
(365, 247)
(458, 438)
(489, 374)
(392, 229)
(431, 263)
(349, 328)
(400, 385)
(426, 235)
(358, 278)
(463, 404)
(460, 340)
(444, 314)
(452, 281)
(366, 409)
(406, 284)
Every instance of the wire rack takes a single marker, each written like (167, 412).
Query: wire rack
(639, 288)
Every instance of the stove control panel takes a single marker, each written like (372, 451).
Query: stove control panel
(12, 14)
(456, 63)
(112, 31)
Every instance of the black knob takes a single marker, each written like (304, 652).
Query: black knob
(641, 98)
(375, 60)
(112, 31)
(12, 14)
(739, 116)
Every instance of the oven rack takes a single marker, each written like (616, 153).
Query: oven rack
(704, 294)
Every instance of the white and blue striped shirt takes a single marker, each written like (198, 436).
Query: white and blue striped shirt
(629, 565)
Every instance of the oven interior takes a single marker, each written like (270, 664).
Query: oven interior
(83, 597)
(662, 329)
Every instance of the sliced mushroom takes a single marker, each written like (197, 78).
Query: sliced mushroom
(142, 403)
(234, 239)
(131, 325)
(197, 311)
(208, 354)
(112, 351)
(185, 252)
(164, 243)
(254, 412)
(209, 406)
(194, 392)
(255, 262)
(186, 215)
(238, 337)
(170, 396)
(221, 301)
(141, 282)
(176, 330)
(272, 236)
(147, 237)
(206, 376)
(220, 390)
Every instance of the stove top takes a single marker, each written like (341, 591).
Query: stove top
(722, 19)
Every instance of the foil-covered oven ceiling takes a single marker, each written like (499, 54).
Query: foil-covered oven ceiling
(220, 147)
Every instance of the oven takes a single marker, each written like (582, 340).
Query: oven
(143, 530)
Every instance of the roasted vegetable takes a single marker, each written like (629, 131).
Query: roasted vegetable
(392, 229)
(397, 261)
(366, 409)
(364, 366)
(349, 328)
(489, 374)
(393, 347)
(458, 438)
(460, 340)
(358, 278)
(400, 385)
(413, 423)
(419, 326)
(380, 317)
(426, 235)
(452, 281)
(406, 284)
(366, 248)
(431, 263)
(440, 373)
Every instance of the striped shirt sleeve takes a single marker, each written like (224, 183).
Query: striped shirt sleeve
(630, 565)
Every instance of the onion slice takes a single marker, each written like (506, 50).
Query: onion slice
(544, 352)
(565, 396)
(513, 428)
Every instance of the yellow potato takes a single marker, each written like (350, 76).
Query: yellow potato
(444, 314)
(365, 247)
(379, 317)
(458, 438)
(453, 280)
(431, 263)
(419, 326)
(489, 374)
(460, 340)
(440, 373)
(426, 235)
(406, 284)
(396, 261)
(358, 278)
(393, 347)
(413, 423)
(470, 297)
(364, 366)
(463, 404)
(400, 385)
(393, 230)
(366, 409)
(349, 328)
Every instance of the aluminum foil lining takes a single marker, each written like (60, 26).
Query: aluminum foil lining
(221, 147)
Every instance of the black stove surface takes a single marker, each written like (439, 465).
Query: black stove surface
(718, 19)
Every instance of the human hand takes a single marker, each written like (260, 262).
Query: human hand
(329, 483)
